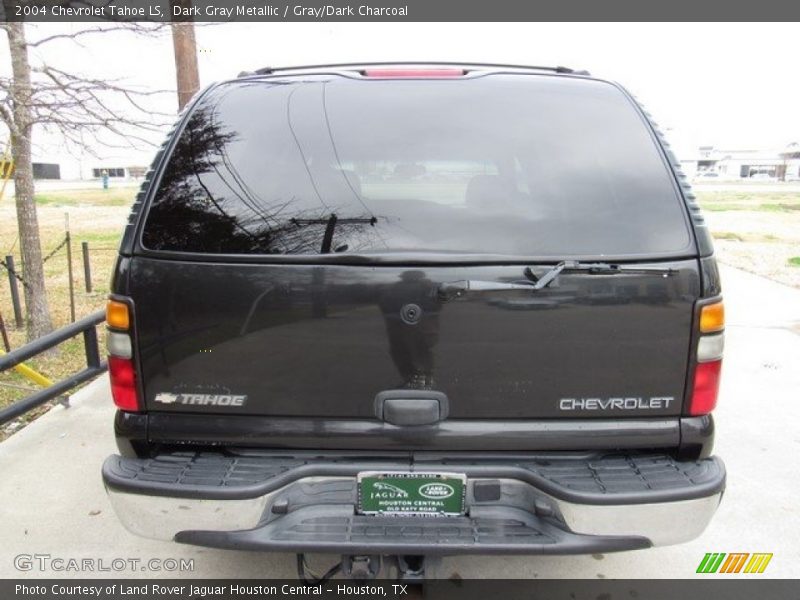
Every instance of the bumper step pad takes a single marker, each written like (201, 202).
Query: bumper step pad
(498, 530)
(611, 479)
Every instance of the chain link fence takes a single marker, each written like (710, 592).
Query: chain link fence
(10, 266)
(16, 275)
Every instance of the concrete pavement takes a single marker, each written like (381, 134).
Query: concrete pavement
(53, 500)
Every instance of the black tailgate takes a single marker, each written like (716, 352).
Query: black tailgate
(324, 340)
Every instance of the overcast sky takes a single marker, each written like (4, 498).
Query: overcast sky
(728, 85)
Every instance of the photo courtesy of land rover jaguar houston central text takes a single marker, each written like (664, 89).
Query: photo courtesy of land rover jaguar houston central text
(414, 310)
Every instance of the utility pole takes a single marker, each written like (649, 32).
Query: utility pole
(185, 47)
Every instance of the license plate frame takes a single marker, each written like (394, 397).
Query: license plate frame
(411, 494)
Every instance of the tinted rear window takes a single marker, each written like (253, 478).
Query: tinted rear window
(504, 164)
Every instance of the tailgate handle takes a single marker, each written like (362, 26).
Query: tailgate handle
(406, 408)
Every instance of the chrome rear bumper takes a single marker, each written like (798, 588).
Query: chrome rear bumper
(561, 508)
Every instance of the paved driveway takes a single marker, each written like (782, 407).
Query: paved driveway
(53, 500)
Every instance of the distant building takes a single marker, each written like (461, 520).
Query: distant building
(717, 163)
(54, 159)
(88, 168)
(707, 163)
(114, 171)
(46, 170)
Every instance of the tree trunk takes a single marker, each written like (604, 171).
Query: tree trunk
(36, 307)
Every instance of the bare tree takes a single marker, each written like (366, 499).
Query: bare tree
(17, 113)
(86, 112)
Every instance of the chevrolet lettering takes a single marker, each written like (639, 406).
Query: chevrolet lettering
(654, 403)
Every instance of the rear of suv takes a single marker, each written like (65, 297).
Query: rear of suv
(415, 310)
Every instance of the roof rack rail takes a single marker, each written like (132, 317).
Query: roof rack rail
(271, 70)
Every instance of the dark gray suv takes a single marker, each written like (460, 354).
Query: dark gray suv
(413, 310)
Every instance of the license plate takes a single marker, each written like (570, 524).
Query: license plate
(411, 494)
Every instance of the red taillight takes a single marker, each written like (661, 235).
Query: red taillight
(412, 73)
(705, 388)
(123, 383)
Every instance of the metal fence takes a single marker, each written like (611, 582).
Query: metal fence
(94, 366)
(17, 277)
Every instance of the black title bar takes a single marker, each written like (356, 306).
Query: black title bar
(376, 589)
(397, 10)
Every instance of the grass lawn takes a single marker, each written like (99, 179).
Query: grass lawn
(115, 196)
(781, 202)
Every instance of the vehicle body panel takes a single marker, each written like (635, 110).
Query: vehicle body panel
(322, 341)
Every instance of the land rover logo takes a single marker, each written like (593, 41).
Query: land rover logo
(436, 491)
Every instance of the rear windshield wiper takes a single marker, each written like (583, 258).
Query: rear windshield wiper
(453, 289)
(593, 268)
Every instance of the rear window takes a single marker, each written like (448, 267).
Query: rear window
(513, 165)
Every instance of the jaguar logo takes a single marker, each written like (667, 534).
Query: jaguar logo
(387, 491)
(436, 491)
